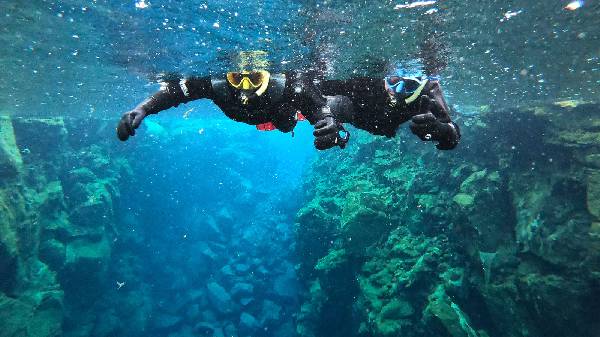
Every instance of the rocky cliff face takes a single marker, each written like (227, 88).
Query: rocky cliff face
(498, 238)
(56, 198)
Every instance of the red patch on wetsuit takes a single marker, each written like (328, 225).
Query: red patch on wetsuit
(266, 127)
(270, 126)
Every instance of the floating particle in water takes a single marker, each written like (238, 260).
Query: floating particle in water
(120, 285)
(187, 113)
(574, 5)
(415, 4)
(431, 11)
(201, 131)
(510, 14)
(142, 4)
(216, 25)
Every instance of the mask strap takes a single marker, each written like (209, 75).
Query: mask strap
(266, 76)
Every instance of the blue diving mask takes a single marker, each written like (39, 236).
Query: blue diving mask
(406, 89)
(403, 86)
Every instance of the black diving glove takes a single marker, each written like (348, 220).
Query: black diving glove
(327, 134)
(433, 124)
(130, 121)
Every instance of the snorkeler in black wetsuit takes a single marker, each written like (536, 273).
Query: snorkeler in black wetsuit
(269, 101)
(381, 105)
(278, 101)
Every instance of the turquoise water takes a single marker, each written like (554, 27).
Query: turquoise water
(76, 49)
(201, 226)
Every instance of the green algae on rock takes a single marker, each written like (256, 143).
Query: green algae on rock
(483, 241)
(41, 238)
(332, 260)
(464, 200)
(10, 156)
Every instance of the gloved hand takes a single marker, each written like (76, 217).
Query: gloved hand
(433, 124)
(130, 121)
(327, 134)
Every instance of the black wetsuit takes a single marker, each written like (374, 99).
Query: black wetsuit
(287, 95)
(362, 102)
(366, 104)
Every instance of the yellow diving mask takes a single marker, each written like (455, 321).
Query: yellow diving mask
(248, 80)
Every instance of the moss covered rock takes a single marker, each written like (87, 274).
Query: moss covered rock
(464, 200)
(333, 260)
(593, 194)
(363, 219)
(39, 318)
(10, 157)
(448, 316)
(486, 239)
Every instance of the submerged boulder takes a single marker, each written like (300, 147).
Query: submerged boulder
(242, 289)
(10, 157)
(248, 323)
(286, 284)
(53, 253)
(29, 132)
(270, 312)
(593, 193)
(397, 309)
(39, 316)
(448, 316)
(220, 298)
(9, 254)
(364, 220)
(230, 330)
(333, 260)
(85, 267)
(205, 329)
(463, 200)
(166, 321)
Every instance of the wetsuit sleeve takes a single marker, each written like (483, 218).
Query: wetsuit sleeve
(340, 87)
(306, 96)
(173, 93)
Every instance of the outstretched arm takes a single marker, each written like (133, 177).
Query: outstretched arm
(317, 109)
(171, 94)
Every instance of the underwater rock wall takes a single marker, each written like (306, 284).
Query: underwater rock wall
(57, 223)
(102, 238)
(498, 238)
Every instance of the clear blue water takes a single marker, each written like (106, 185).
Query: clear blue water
(209, 193)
